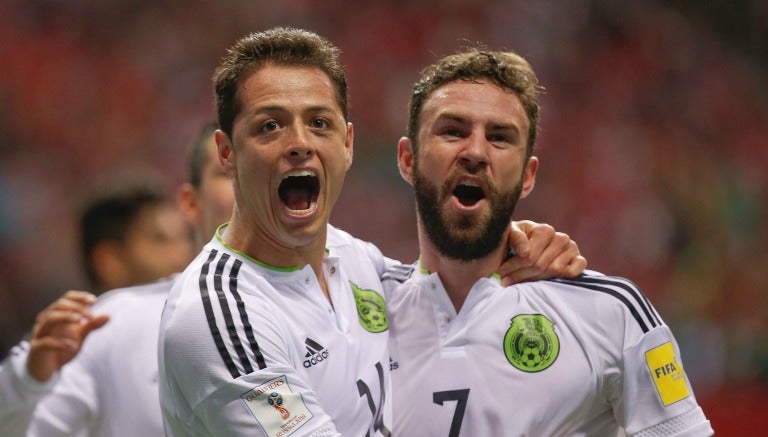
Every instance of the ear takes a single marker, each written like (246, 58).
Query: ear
(349, 145)
(529, 176)
(405, 159)
(226, 152)
(189, 203)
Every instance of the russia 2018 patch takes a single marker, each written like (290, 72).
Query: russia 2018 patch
(667, 373)
(279, 410)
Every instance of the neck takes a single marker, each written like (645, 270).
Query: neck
(457, 276)
(250, 239)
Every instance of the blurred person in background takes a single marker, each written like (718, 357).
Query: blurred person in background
(130, 234)
(582, 356)
(59, 383)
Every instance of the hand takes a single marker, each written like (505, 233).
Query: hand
(59, 331)
(541, 253)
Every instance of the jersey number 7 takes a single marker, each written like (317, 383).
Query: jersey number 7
(460, 396)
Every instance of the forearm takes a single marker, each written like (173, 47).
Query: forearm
(19, 391)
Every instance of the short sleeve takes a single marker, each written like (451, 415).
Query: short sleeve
(656, 396)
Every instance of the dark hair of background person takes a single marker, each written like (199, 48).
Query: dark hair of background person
(198, 154)
(108, 216)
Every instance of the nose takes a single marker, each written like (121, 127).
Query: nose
(299, 146)
(475, 153)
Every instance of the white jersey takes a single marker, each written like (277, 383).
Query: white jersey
(249, 349)
(109, 389)
(585, 356)
(19, 391)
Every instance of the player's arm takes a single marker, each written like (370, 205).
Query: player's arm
(222, 384)
(655, 396)
(540, 253)
(644, 375)
(27, 375)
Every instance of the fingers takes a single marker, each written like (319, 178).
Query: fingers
(54, 344)
(556, 257)
(93, 324)
(70, 308)
(529, 239)
(553, 254)
(59, 332)
(575, 267)
(73, 300)
(518, 237)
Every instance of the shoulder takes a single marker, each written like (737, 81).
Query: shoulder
(120, 298)
(608, 293)
(397, 274)
(339, 239)
(353, 250)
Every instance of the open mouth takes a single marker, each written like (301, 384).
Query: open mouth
(468, 193)
(299, 190)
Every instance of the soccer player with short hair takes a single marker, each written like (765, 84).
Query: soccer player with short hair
(261, 334)
(584, 356)
(279, 326)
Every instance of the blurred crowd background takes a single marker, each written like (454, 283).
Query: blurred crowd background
(653, 144)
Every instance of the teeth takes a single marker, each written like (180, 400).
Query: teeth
(301, 212)
(469, 183)
(299, 173)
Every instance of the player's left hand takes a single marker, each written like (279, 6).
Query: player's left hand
(59, 331)
(541, 253)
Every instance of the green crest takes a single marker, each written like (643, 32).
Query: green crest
(371, 310)
(530, 343)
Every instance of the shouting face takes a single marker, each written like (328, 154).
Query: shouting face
(469, 166)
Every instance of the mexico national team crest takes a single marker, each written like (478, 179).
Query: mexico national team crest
(530, 343)
(371, 310)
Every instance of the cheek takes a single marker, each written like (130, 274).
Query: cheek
(219, 200)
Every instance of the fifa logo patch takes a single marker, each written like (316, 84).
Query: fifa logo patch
(371, 310)
(531, 344)
(667, 373)
(276, 401)
(278, 410)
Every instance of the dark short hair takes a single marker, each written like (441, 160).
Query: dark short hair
(277, 46)
(198, 156)
(109, 215)
(508, 70)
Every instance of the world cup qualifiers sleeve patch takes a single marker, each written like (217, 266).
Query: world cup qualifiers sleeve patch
(278, 410)
(371, 310)
(667, 373)
(531, 344)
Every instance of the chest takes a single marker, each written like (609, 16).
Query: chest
(502, 366)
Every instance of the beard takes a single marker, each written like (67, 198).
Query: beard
(469, 237)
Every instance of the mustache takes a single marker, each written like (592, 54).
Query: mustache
(457, 173)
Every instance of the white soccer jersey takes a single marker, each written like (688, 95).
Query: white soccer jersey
(249, 349)
(19, 391)
(110, 388)
(585, 356)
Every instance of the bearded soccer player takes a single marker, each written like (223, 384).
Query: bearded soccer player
(279, 326)
(587, 356)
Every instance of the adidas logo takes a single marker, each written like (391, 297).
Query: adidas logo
(315, 353)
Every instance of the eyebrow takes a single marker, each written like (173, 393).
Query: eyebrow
(309, 110)
(463, 120)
